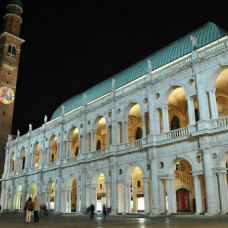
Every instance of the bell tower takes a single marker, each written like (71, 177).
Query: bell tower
(10, 47)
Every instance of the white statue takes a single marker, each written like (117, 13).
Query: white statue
(45, 119)
(18, 133)
(194, 40)
(30, 127)
(9, 138)
(85, 99)
(149, 67)
(113, 84)
(63, 109)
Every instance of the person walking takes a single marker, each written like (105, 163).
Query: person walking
(91, 208)
(29, 209)
(104, 211)
(36, 209)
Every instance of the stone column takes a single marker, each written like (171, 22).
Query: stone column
(173, 196)
(143, 125)
(125, 131)
(202, 100)
(107, 136)
(94, 196)
(3, 197)
(125, 198)
(65, 201)
(69, 148)
(152, 117)
(154, 187)
(78, 198)
(213, 104)
(223, 191)
(165, 118)
(107, 195)
(94, 140)
(169, 196)
(83, 199)
(198, 195)
(12, 197)
(191, 111)
(146, 198)
(114, 190)
(210, 184)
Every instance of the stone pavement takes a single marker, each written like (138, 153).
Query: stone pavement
(18, 221)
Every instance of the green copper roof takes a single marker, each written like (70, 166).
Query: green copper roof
(17, 2)
(205, 35)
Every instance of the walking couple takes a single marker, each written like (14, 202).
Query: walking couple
(32, 206)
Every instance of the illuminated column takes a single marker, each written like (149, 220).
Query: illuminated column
(125, 132)
(65, 201)
(146, 198)
(94, 140)
(69, 148)
(143, 125)
(78, 198)
(213, 104)
(211, 192)
(125, 198)
(107, 135)
(107, 195)
(198, 196)
(152, 118)
(49, 200)
(12, 196)
(169, 186)
(191, 112)
(91, 141)
(154, 187)
(223, 190)
(165, 118)
(114, 190)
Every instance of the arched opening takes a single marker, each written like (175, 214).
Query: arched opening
(53, 149)
(73, 140)
(101, 133)
(22, 159)
(175, 123)
(12, 162)
(36, 155)
(50, 195)
(33, 191)
(12, 50)
(133, 194)
(99, 192)
(134, 123)
(185, 189)
(221, 93)
(177, 109)
(18, 200)
(74, 196)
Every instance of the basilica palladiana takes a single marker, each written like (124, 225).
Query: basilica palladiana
(151, 139)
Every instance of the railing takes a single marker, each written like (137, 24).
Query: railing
(177, 133)
(133, 144)
(186, 178)
(222, 121)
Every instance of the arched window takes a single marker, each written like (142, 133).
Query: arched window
(175, 123)
(23, 163)
(138, 133)
(12, 50)
(138, 184)
(98, 145)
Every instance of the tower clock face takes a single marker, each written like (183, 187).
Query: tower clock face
(6, 95)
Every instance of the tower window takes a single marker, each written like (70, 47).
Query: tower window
(3, 113)
(12, 51)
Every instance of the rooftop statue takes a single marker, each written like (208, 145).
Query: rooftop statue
(85, 98)
(45, 119)
(18, 133)
(113, 84)
(63, 109)
(149, 67)
(30, 127)
(194, 40)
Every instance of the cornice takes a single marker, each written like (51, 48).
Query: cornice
(12, 36)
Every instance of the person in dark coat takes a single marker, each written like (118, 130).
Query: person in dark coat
(91, 208)
(104, 211)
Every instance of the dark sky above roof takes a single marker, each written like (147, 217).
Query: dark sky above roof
(70, 46)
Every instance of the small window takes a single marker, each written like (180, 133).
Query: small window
(138, 133)
(175, 123)
(138, 184)
(12, 51)
(100, 186)
(3, 113)
(98, 145)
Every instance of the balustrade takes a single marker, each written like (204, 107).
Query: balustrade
(222, 121)
(177, 133)
(133, 144)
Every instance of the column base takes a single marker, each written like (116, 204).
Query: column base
(211, 213)
(155, 214)
(202, 124)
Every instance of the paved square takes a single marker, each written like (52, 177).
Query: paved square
(18, 221)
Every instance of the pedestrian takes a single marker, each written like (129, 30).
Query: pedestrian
(91, 208)
(36, 209)
(29, 209)
(104, 211)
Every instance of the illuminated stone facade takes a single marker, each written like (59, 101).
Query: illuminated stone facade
(155, 145)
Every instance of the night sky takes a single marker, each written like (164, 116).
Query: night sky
(71, 46)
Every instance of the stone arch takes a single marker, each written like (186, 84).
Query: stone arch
(73, 141)
(172, 163)
(222, 158)
(36, 154)
(53, 148)
(100, 131)
(135, 164)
